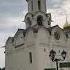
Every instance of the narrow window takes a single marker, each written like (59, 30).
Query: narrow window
(39, 5)
(30, 57)
(32, 5)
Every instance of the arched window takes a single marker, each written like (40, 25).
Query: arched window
(39, 20)
(39, 4)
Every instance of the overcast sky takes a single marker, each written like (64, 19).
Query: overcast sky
(12, 14)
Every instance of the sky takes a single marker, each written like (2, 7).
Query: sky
(12, 14)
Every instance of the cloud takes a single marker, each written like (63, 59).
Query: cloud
(12, 14)
(12, 7)
(66, 7)
(54, 4)
(9, 26)
(59, 10)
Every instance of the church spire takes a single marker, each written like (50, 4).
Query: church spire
(37, 14)
(66, 20)
(66, 23)
(36, 5)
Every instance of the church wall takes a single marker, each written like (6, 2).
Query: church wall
(16, 60)
(60, 45)
(29, 39)
(45, 41)
(43, 36)
(40, 45)
(43, 59)
(19, 59)
(31, 51)
(42, 49)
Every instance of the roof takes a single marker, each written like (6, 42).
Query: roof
(56, 26)
(10, 39)
(20, 31)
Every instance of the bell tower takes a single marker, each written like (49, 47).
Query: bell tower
(36, 5)
(37, 14)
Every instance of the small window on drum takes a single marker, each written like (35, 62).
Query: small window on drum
(39, 20)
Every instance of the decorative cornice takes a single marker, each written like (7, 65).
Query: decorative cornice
(19, 45)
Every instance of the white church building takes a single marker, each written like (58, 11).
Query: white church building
(39, 46)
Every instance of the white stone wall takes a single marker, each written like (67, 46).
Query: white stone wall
(40, 45)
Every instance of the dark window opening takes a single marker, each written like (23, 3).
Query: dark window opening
(30, 56)
(39, 5)
(32, 5)
(49, 18)
(39, 20)
(32, 15)
(49, 22)
(67, 35)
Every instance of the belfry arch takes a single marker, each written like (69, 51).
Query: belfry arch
(40, 20)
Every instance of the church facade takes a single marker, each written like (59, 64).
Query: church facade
(39, 46)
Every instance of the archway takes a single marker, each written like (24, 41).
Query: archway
(39, 20)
